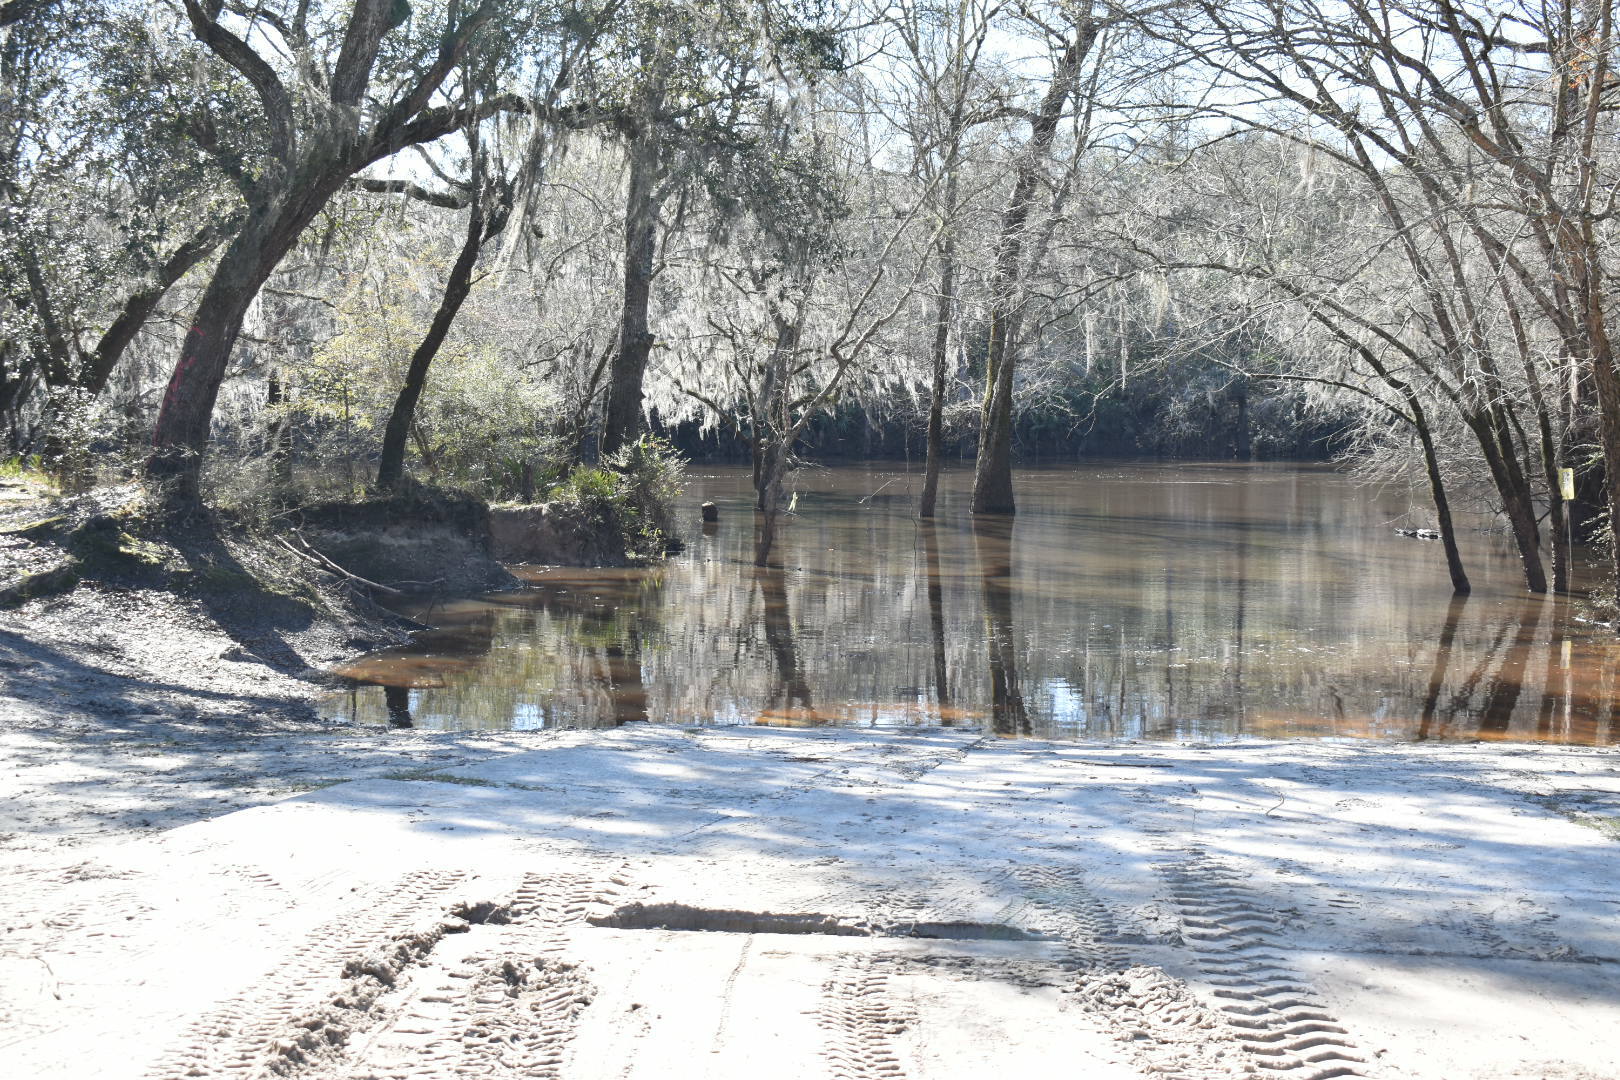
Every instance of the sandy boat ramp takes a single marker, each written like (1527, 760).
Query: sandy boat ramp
(750, 902)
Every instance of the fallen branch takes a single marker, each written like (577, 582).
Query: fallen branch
(321, 562)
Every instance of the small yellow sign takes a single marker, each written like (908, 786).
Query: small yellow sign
(1566, 484)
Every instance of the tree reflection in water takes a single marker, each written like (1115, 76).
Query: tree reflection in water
(1442, 660)
(936, 618)
(1150, 602)
(398, 703)
(790, 692)
(993, 550)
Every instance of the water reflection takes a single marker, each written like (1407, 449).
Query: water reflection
(1442, 661)
(992, 548)
(397, 700)
(936, 612)
(1123, 602)
(789, 696)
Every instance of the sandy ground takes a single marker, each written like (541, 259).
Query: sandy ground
(747, 902)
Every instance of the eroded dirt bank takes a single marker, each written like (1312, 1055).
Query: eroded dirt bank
(156, 671)
(739, 902)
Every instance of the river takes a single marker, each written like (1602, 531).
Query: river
(1125, 601)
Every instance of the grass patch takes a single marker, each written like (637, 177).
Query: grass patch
(1608, 826)
(433, 777)
(300, 787)
(29, 469)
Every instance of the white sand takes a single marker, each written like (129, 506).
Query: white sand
(1248, 909)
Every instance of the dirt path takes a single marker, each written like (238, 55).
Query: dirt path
(726, 902)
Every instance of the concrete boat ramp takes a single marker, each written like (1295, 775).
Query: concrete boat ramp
(752, 902)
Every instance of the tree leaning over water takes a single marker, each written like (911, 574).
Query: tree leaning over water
(1486, 146)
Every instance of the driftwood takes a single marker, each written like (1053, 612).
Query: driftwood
(321, 562)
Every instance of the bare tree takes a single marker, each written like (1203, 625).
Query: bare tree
(1463, 129)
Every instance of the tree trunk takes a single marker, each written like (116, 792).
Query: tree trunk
(187, 411)
(1442, 504)
(139, 305)
(279, 433)
(1242, 444)
(770, 501)
(184, 418)
(622, 422)
(992, 470)
(941, 358)
(992, 473)
(391, 467)
(1517, 503)
(1607, 383)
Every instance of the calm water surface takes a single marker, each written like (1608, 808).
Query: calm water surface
(1139, 601)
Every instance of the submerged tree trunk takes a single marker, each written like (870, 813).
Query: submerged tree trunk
(941, 359)
(992, 473)
(480, 229)
(1517, 503)
(773, 465)
(1437, 491)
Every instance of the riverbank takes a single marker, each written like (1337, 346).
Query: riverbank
(928, 903)
(155, 672)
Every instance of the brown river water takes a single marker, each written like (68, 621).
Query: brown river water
(1161, 601)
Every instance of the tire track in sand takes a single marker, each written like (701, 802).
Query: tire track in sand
(1272, 1011)
(507, 1005)
(245, 1036)
(859, 1020)
(1156, 1017)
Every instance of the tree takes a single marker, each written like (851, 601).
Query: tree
(1464, 131)
(940, 50)
(346, 104)
(104, 206)
(1074, 34)
(687, 87)
(488, 200)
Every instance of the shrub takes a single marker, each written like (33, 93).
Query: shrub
(631, 495)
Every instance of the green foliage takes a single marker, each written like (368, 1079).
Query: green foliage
(631, 495)
(486, 428)
(87, 445)
(29, 468)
